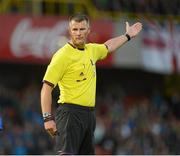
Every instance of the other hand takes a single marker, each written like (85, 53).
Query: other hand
(134, 29)
(50, 127)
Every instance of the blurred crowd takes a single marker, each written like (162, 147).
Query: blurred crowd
(137, 124)
(126, 124)
(23, 131)
(159, 7)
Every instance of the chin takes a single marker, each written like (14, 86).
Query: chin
(80, 44)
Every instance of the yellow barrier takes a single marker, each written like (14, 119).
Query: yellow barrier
(67, 7)
(52, 7)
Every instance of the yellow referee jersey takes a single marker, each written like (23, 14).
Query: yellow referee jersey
(74, 71)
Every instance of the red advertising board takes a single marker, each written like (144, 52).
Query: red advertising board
(34, 39)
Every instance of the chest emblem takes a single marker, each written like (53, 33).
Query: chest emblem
(81, 74)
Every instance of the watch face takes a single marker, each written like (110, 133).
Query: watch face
(46, 114)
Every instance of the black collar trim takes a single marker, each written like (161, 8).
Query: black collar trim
(75, 47)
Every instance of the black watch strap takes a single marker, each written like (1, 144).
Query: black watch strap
(128, 37)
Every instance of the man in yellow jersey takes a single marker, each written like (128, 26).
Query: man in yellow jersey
(73, 69)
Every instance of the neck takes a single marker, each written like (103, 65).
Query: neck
(74, 46)
(78, 46)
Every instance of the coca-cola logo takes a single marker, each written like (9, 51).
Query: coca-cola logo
(41, 42)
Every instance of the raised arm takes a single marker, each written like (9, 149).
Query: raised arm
(131, 31)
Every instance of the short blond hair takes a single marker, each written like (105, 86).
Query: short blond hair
(79, 17)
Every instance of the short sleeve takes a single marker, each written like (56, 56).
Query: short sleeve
(56, 68)
(100, 51)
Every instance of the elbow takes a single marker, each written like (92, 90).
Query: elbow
(42, 92)
(46, 90)
(109, 48)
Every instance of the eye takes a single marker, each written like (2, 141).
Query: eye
(82, 28)
(74, 29)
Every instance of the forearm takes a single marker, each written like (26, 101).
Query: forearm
(131, 31)
(46, 99)
(115, 43)
(46, 103)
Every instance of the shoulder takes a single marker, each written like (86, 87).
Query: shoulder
(62, 52)
(92, 44)
(95, 45)
(60, 55)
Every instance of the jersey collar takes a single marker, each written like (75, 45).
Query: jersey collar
(75, 47)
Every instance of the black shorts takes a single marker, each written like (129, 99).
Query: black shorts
(75, 126)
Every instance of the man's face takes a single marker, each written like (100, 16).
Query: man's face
(78, 32)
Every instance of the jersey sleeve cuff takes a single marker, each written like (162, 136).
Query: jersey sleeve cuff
(106, 47)
(48, 83)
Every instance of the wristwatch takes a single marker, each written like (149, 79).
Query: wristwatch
(46, 114)
(128, 37)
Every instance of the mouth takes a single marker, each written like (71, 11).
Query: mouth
(79, 38)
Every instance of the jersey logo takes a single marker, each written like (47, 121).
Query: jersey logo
(80, 80)
(81, 74)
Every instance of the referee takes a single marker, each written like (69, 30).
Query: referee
(73, 69)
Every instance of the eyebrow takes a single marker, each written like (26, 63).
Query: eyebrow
(77, 28)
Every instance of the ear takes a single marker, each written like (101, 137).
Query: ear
(89, 30)
(69, 30)
(69, 27)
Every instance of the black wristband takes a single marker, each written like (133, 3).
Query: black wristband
(128, 37)
(48, 118)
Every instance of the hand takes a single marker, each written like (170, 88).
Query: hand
(133, 30)
(50, 127)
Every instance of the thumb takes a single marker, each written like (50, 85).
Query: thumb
(127, 26)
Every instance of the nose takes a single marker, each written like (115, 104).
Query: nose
(78, 32)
